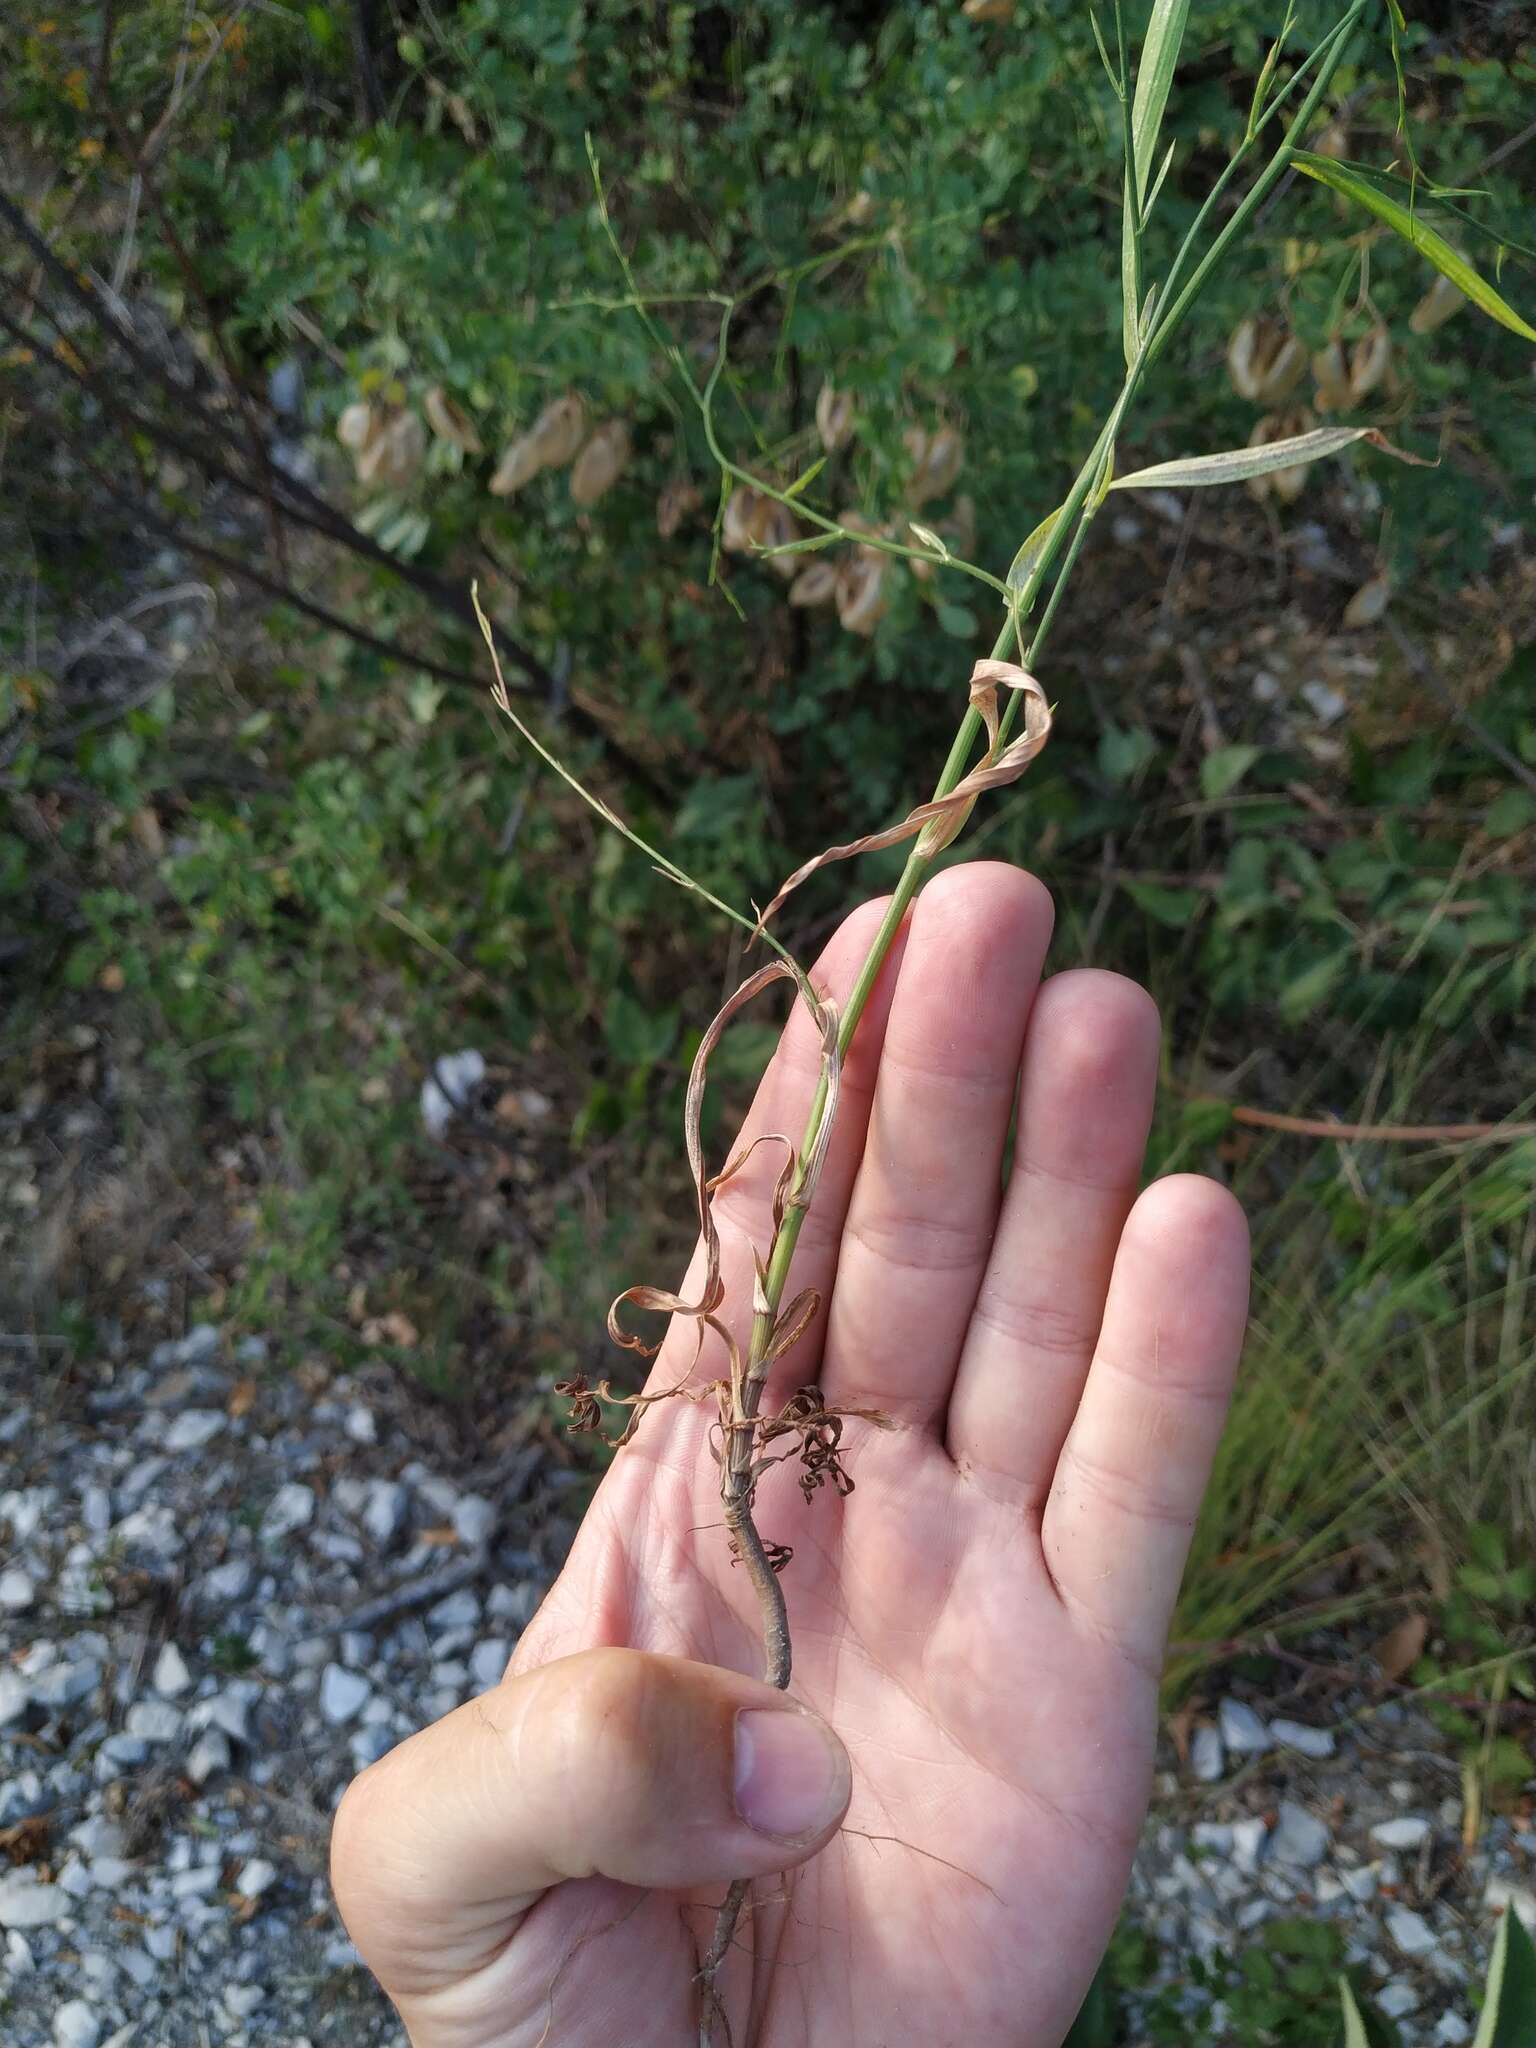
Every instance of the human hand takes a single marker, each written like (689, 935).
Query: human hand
(982, 1622)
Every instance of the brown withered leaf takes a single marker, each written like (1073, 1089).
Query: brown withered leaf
(940, 821)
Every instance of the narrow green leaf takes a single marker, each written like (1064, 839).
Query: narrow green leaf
(1154, 76)
(1509, 2009)
(811, 543)
(807, 477)
(1261, 87)
(1027, 560)
(1109, 69)
(1157, 182)
(1235, 465)
(1420, 195)
(1172, 907)
(1355, 2035)
(1225, 769)
(1448, 261)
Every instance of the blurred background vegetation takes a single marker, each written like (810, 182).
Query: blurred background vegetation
(286, 287)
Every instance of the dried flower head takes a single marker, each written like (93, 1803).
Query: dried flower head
(601, 463)
(835, 418)
(450, 422)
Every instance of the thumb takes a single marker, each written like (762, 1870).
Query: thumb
(652, 1771)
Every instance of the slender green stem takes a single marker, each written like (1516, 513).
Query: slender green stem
(1070, 532)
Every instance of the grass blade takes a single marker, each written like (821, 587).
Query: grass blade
(1509, 2007)
(1342, 178)
(1236, 465)
(1355, 2035)
(1154, 77)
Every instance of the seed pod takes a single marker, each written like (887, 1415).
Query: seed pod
(394, 457)
(834, 418)
(1330, 373)
(450, 422)
(519, 464)
(775, 527)
(987, 10)
(815, 585)
(739, 523)
(1263, 360)
(676, 502)
(937, 460)
(861, 592)
(1369, 361)
(559, 430)
(1285, 484)
(1442, 302)
(1368, 603)
(601, 463)
(357, 426)
(1333, 142)
(1284, 372)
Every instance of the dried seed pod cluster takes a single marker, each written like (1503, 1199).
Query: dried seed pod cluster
(387, 443)
(1266, 362)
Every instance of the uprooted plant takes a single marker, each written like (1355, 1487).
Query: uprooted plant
(778, 522)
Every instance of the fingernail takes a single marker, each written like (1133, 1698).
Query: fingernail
(791, 1773)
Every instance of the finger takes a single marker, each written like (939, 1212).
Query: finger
(1128, 1488)
(743, 1208)
(1085, 1106)
(923, 1209)
(652, 1771)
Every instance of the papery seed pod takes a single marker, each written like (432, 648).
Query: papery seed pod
(357, 426)
(861, 591)
(1442, 302)
(676, 502)
(1283, 372)
(1285, 484)
(1333, 142)
(450, 422)
(1368, 603)
(815, 585)
(394, 457)
(987, 10)
(738, 523)
(937, 460)
(519, 464)
(1250, 350)
(774, 527)
(1369, 361)
(559, 430)
(1330, 374)
(601, 463)
(835, 419)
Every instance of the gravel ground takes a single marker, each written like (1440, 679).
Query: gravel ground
(222, 1591)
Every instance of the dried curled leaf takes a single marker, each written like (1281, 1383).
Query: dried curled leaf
(835, 418)
(450, 422)
(940, 821)
(794, 1189)
(601, 463)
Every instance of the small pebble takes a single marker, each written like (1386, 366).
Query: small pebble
(1207, 1757)
(342, 1694)
(1242, 1731)
(75, 2025)
(1313, 1742)
(1407, 1831)
(171, 1676)
(1411, 1931)
(1299, 1837)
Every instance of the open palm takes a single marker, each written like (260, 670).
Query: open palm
(982, 1620)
